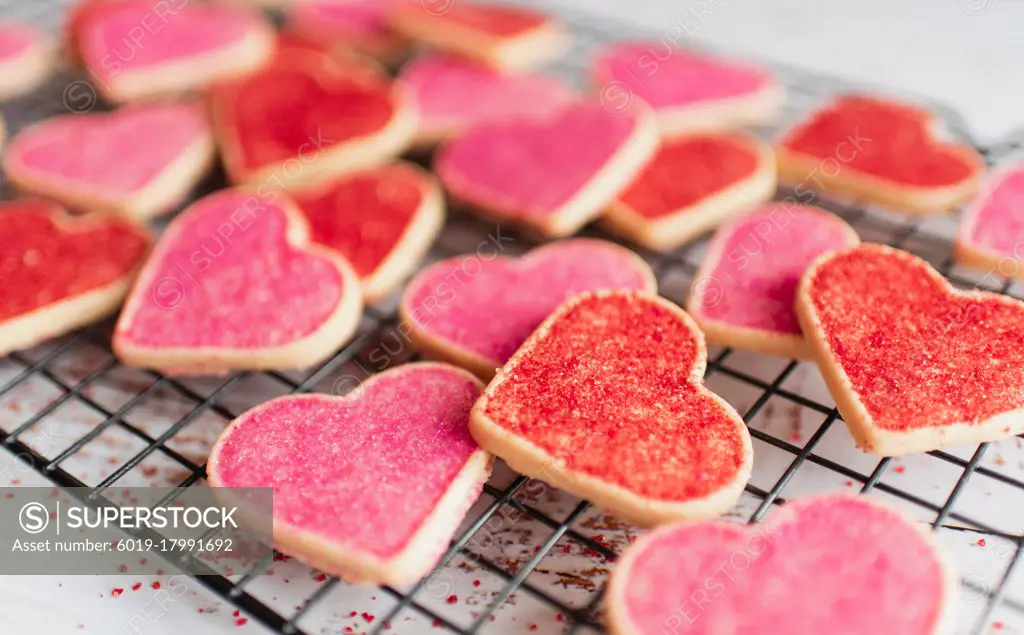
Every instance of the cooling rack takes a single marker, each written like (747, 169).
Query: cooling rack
(527, 557)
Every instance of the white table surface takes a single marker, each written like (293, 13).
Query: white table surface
(968, 56)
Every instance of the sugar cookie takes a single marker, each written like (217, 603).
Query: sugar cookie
(606, 400)
(370, 486)
(25, 59)
(991, 235)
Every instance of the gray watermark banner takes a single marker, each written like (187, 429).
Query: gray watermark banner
(134, 530)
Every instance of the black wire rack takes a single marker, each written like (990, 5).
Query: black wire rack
(509, 500)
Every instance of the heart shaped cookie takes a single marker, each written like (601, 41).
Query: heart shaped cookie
(606, 400)
(139, 161)
(382, 222)
(687, 90)
(440, 83)
(992, 226)
(235, 285)
(25, 59)
(725, 174)
(305, 117)
(912, 363)
(461, 309)
(500, 35)
(744, 292)
(138, 51)
(551, 175)
(61, 273)
(879, 151)
(836, 564)
(370, 486)
(361, 25)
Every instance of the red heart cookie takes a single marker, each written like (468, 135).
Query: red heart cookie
(461, 310)
(725, 174)
(606, 400)
(503, 36)
(382, 221)
(744, 291)
(912, 363)
(880, 151)
(370, 486)
(836, 564)
(139, 161)
(688, 91)
(440, 84)
(60, 273)
(361, 25)
(992, 226)
(137, 50)
(551, 175)
(306, 117)
(25, 59)
(235, 285)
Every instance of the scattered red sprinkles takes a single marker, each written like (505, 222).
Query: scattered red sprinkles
(900, 469)
(136, 586)
(476, 582)
(452, 599)
(533, 627)
(242, 621)
(155, 585)
(436, 623)
(321, 577)
(369, 617)
(981, 542)
(116, 592)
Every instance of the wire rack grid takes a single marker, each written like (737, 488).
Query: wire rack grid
(78, 375)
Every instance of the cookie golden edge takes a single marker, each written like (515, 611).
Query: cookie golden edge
(420, 554)
(590, 201)
(164, 192)
(70, 314)
(766, 342)
(28, 70)
(689, 222)
(433, 347)
(866, 435)
(532, 461)
(335, 331)
(620, 623)
(758, 108)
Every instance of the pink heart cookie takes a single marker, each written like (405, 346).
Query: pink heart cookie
(440, 85)
(361, 25)
(744, 293)
(504, 36)
(835, 564)
(687, 90)
(370, 486)
(464, 309)
(234, 284)
(139, 161)
(136, 50)
(551, 175)
(25, 59)
(992, 227)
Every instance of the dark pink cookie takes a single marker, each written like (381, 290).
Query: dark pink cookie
(440, 85)
(687, 90)
(475, 310)
(361, 25)
(835, 564)
(744, 293)
(138, 50)
(551, 175)
(370, 486)
(235, 284)
(991, 233)
(139, 161)
(25, 59)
